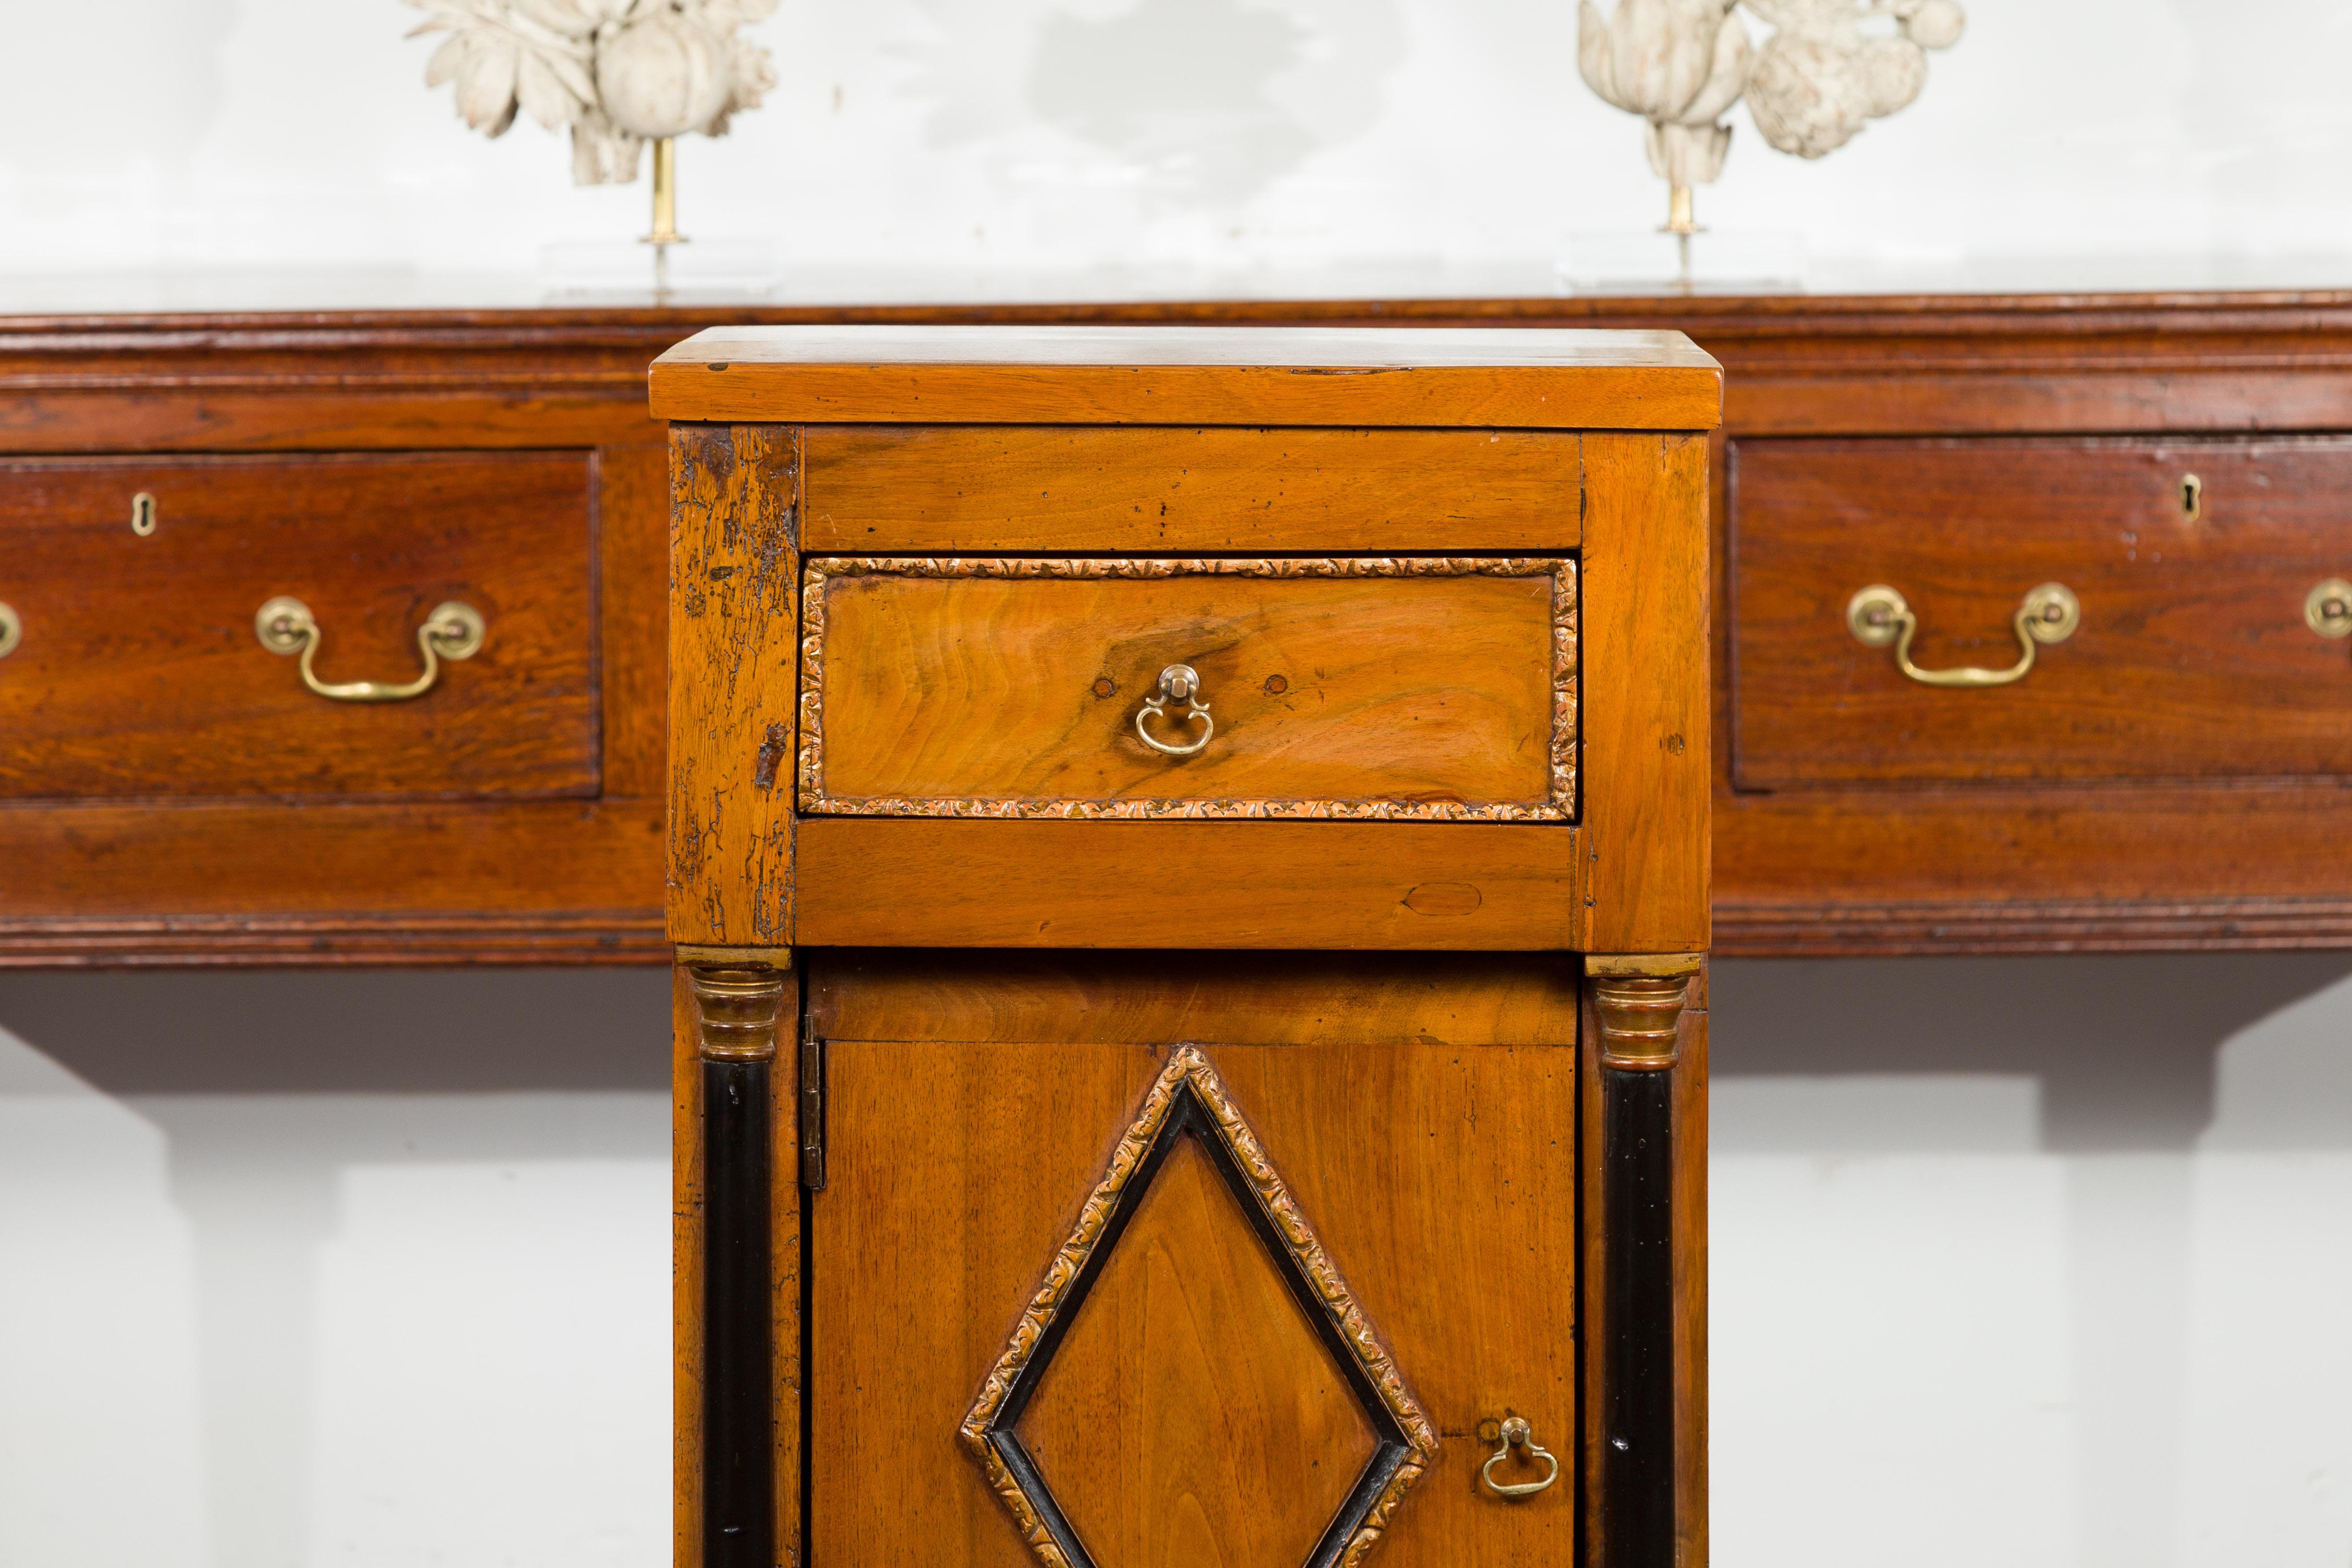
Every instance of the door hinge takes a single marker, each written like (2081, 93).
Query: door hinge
(812, 1117)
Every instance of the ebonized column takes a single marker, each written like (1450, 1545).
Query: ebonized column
(737, 1010)
(1639, 1015)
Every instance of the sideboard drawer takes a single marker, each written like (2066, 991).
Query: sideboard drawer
(2193, 563)
(140, 669)
(1417, 688)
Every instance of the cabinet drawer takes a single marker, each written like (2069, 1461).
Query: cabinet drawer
(1429, 688)
(2193, 656)
(139, 670)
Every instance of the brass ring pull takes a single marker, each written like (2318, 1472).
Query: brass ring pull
(12, 630)
(453, 631)
(2327, 610)
(1877, 617)
(1178, 683)
(1516, 1433)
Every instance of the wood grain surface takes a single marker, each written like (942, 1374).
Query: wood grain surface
(1647, 585)
(1388, 1148)
(868, 881)
(1190, 1414)
(1012, 687)
(734, 583)
(1830, 868)
(922, 489)
(140, 673)
(1176, 375)
(1270, 998)
(2192, 659)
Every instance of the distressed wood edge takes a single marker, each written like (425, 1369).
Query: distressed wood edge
(1187, 1065)
(818, 571)
(749, 525)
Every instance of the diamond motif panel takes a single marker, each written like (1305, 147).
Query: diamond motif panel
(1240, 1408)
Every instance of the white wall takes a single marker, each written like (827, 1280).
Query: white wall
(2035, 1262)
(978, 143)
(2044, 1263)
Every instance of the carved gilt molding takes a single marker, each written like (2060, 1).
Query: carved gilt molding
(1559, 806)
(1412, 1447)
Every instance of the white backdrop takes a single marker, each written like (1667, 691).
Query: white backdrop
(2038, 1262)
(981, 140)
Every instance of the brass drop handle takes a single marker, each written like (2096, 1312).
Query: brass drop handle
(2327, 609)
(1516, 1434)
(1178, 683)
(453, 631)
(12, 630)
(1877, 616)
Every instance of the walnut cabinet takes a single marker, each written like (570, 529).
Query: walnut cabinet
(1188, 864)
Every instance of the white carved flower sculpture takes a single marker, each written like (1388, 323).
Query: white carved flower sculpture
(619, 73)
(1682, 64)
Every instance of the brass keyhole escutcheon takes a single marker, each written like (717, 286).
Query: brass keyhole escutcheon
(143, 514)
(2328, 608)
(2193, 497)
(12, 630)
(1516, 1433)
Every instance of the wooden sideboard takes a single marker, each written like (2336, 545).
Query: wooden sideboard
(2170, 775)
(1186, 1050)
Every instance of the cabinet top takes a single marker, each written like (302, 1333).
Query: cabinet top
(1523, 378)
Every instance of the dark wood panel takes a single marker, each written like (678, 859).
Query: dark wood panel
(1838, 875)
(360, 868)
(915, 489)
(2192, 658)
(140, 673)
(867, 882)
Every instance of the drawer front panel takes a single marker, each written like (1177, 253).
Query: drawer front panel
(1428, 689)
(139, 671)
(925, 489)
(2191, 562)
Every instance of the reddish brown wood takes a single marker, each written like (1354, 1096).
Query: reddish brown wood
(632, 591)
(2192, 659)
(140, 673)
(2123, 867)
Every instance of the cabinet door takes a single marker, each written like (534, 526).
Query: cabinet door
(1123, 1267)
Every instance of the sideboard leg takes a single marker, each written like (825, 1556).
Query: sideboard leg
(1638, 1016)
(738, 1010)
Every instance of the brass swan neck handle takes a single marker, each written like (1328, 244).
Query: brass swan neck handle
(2047, 616)
(453, 631)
